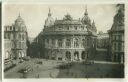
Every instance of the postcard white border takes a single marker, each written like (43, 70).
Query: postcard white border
(67, 79)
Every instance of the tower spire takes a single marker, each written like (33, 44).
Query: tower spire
(93, 26)
(86, 11)
(49, 13)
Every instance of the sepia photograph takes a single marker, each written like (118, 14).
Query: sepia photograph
(63, 41)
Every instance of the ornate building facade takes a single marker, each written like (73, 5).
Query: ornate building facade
(102, 47)
(116, 36)
(15, 38)
(102, 40)
(68, 39)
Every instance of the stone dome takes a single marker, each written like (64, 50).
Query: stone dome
(19, 19)
(49, 21)
(86, 19)
(20, 24)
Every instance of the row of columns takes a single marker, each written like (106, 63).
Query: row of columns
(49, 44)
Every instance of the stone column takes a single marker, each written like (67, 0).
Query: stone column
(72, 55)
(80, 55)
(64, 44)
(45, 43)
(49, 46)
(56, 41)
(72, 43)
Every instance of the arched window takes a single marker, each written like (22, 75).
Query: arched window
(20, 54)
(83, 55)
(76, 43)
(76, 55)
(68, 55)
(60, 42)
(68, 43)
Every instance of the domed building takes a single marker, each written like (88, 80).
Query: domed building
(15, 38)
(49, 21)
(68, 39)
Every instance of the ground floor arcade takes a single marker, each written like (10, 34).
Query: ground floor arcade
(66, 54)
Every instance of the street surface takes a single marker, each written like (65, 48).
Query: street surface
(48, 69)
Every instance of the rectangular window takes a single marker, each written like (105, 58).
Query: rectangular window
(114, 46)
(114, 37)
(68, 43)
(68, 28)
(53, 42)
(76, 43)
(123, 47)
(8, 36)
(120, 38)
(119, 47)
(60, 42)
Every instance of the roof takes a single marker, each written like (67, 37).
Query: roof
(118, 24)
(103, 35)
(117, 27)
(19, 19)
(67, 22)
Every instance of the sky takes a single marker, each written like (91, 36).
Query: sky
(35, 15)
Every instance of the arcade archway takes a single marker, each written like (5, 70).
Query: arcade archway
(68, 55)
(76, 55)
(83, 55)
